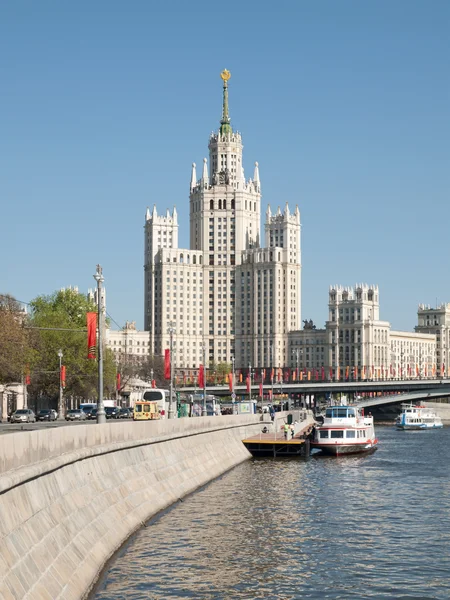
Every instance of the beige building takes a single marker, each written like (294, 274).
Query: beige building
(436, 321)
(205, 295)
(128, 344)
(413, 355)
(357, 344)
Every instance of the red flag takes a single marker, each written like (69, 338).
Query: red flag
(201, 376)
(323, 373)
(331, 373)
(91, 318)
(260, 390)
(248, 383)
(118, 381)
(167, 363)
(27, 375)
(63, 376)
(270, 394)
(230, 381)
(153, 383)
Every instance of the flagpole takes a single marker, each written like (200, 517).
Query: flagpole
(101, 415)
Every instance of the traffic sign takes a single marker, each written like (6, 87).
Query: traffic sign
(233, 396)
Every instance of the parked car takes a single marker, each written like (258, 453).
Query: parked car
(88, 408)
(46, 414)
(112, 412)
(125, 413)
(75, 414)
(93, 414)
(23, 415)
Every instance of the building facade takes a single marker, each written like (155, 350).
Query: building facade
(357, 345)
(436, 321)
(212, 296)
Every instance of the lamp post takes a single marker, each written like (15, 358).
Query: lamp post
(250, 384)
(101, 416)
(262, 391)
(204, 412)
(271, 368)
(171, 332)
(60, 399)
(233, 393)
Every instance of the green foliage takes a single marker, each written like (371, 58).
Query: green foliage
(14, 340)
(59, 323)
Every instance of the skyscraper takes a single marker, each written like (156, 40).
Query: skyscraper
(225, 296)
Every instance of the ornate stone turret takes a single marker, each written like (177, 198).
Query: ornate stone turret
(193, 177)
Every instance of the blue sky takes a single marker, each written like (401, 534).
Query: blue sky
(345, 105)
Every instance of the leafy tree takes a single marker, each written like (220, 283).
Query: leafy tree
(58, 322)
(14, 340)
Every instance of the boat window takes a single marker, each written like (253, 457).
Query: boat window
(350, 434)
(351, 412)
(323, 434)
(337, 433)
(328, 413)
(341, 413)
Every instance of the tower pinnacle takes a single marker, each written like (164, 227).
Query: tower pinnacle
(225, 123)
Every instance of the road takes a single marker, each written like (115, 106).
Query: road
(14, 427)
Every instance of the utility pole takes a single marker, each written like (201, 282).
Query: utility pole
(171, 332)
(233, 393)
(60, 399)
(250, 384)
(101, 415)
(262, 391)
(204, 411)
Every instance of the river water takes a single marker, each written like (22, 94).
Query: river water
(374, 526)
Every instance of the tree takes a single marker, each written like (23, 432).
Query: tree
(14, 340)
(59, 323)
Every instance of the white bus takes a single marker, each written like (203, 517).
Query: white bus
(162, 398)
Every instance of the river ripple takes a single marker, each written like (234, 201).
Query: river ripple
(375, 526)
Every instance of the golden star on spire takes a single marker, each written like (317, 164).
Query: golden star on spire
(225, 75)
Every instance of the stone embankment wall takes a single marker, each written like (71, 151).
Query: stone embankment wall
(70, 496)
(442, 409)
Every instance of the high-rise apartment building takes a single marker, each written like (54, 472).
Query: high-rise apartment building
(226, 296)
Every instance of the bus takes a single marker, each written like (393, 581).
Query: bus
(145, 410)
(161, 397)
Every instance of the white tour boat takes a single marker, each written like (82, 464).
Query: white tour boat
(418, 417)
(345, 430)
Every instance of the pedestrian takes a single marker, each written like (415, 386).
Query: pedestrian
(292, 430)
(286, 431)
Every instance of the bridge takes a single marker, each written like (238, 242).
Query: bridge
(322, 387)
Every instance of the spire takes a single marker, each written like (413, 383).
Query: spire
(193, 177)
(175, 215)
(256, 175)
(205, 178)
(268, 213)
(225, 123)
(147, 214)
(286, 210)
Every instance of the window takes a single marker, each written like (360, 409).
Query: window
(337, 434)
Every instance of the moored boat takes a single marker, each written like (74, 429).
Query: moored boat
(345, 430)
(418, 417)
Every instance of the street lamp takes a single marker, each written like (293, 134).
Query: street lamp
(233, 393)
(250, 384)
(271, 368)
(60, 399)
(204, 412)
(101, 416)
(171, 332)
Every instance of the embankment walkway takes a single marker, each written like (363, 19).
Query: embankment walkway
(70, 496)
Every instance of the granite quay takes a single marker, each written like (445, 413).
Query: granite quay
(71, 496)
